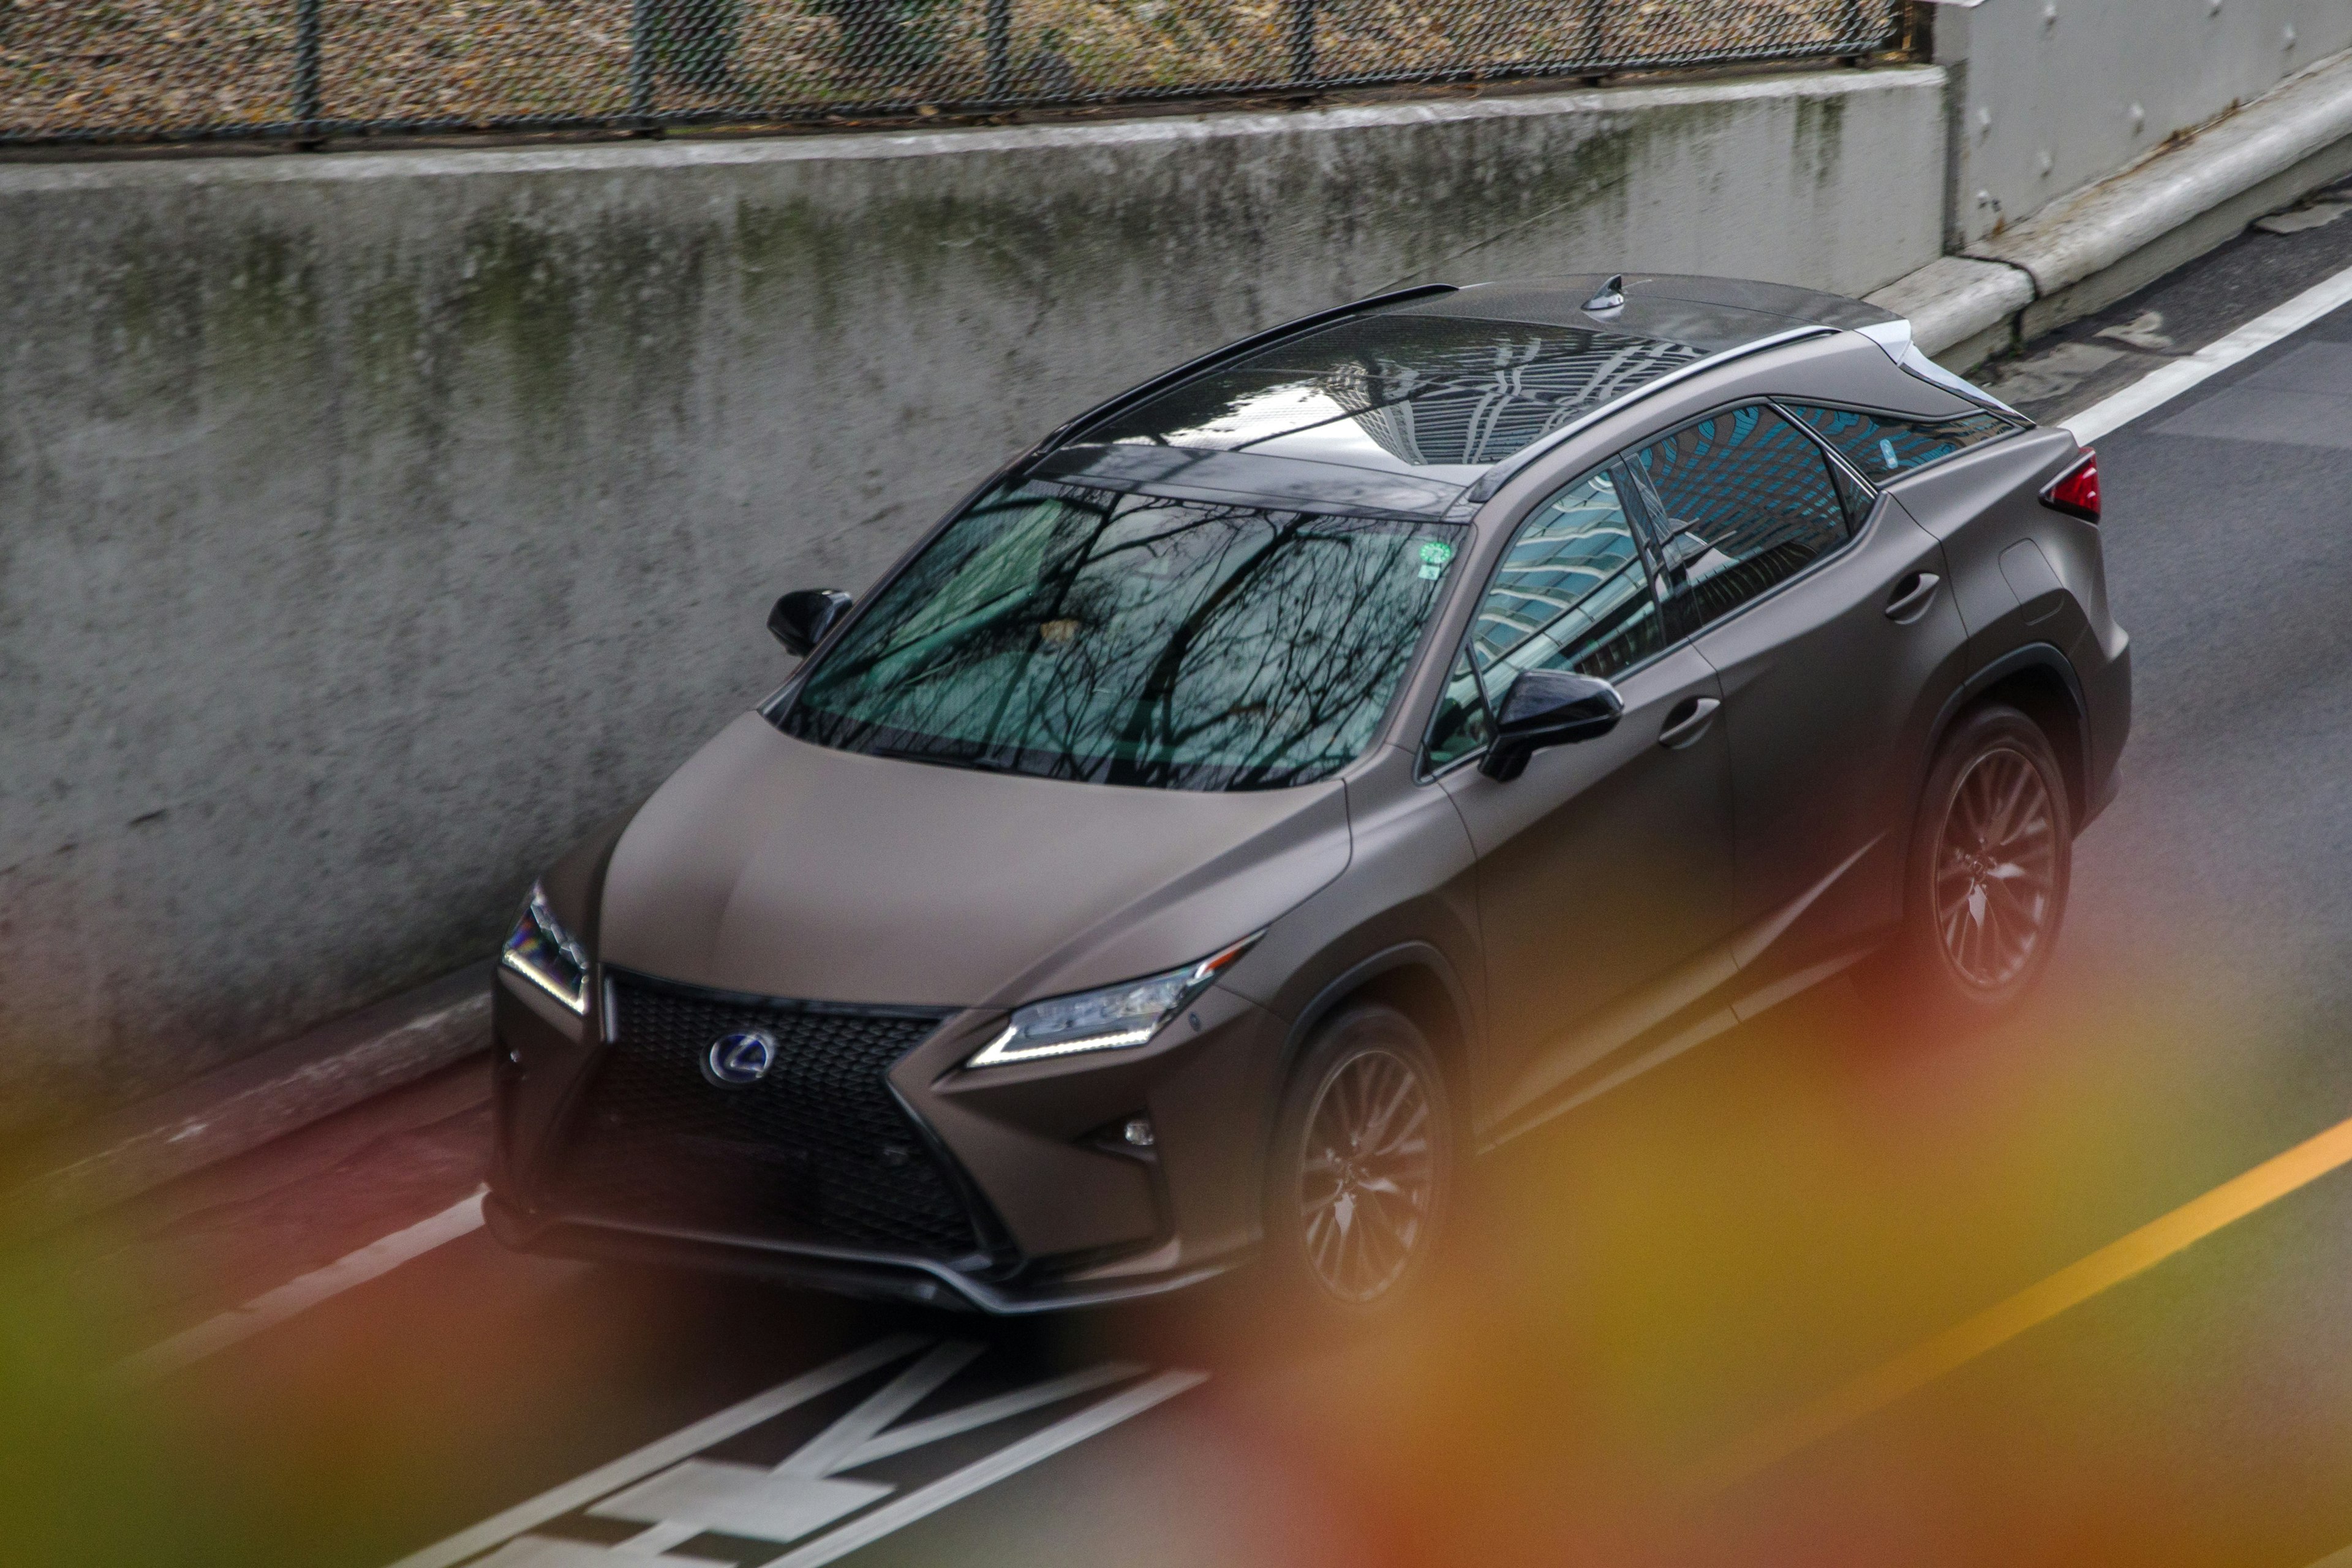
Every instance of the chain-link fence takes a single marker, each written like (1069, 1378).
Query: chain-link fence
(159, 70)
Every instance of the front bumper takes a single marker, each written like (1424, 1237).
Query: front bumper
(1061, 1213)
(881, 1277)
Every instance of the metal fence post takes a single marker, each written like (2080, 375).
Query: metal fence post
(1000, 48)
(1302, 40)
(307, 102)
(1596, 32)
(641, 57)
(1851, 24)
(1916, 24)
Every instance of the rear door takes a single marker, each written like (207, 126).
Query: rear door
(1604, 870)
(1827, 616)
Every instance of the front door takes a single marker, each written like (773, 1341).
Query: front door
(1604, 870)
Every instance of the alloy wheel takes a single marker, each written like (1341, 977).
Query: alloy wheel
(1369, 1176)
(1997, 869)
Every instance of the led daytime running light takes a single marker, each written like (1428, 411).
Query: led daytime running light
(541, 950)
(996, 1053)
(1113, 1018)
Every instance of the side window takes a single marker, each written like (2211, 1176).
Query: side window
(1572, 593)
(1742, 501)
(1886, 445)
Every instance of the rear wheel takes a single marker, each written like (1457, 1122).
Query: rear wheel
(1363, 1166)
(1991, 856)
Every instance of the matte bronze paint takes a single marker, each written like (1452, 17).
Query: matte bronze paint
(770, 866)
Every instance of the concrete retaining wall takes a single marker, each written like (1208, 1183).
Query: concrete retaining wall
(371, 524)
(2055, 94)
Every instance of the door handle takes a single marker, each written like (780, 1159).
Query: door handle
(1687, 722)
(1912, 597)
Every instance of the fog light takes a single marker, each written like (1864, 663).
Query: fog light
(1137, 1132)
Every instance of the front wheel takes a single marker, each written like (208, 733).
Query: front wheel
(1991, 856)
(1362, 1167)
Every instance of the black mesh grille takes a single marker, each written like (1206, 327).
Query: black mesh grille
(816, 1150)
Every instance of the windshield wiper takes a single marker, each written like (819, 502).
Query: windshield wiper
(943, 759)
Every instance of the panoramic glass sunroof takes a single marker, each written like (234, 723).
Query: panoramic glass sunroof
(1443, 397)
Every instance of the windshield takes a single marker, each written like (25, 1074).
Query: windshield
(1084, 634)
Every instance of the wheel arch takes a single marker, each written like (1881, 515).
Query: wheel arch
(1417, 980)
(2040, 682)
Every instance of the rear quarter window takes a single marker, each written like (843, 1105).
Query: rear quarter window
(1886, 447)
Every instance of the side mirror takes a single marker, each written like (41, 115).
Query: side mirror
(801, 620)
(1548, 708)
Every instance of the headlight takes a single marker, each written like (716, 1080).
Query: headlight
(541, 950)
(1111, 1019)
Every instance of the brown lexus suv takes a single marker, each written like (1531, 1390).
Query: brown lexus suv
(1333, 757)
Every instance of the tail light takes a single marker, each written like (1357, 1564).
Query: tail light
(2075, 491)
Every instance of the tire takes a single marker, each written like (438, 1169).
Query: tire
(1353, 1226)
(1985, 885)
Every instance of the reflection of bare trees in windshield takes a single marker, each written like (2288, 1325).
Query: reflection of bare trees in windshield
(1133, 639)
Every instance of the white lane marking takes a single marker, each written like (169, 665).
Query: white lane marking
(807, 1491)
(655, 1540)
(272, 1308)
(663, 1453)
(2159, 387)
(825, 1453)
(539, 1551)
(1041, 1445)
(985, 1412)
(677, 1493)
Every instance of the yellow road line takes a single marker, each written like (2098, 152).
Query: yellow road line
(2110, 1266)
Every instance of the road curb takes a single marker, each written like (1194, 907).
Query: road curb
(2086, 251)
(240, 1108)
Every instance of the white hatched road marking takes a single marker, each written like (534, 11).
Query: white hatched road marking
(299, 1295)
(661, 1453)
(987, 1472)
(676, 1495)
(2159, 387)
(803, 1495)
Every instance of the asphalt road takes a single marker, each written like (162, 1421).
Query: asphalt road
(1789, 1299)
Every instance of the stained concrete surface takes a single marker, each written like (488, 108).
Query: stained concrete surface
(372, 523)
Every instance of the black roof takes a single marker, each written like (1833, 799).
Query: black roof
(1403, 406)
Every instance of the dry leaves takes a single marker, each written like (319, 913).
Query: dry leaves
(133, 67)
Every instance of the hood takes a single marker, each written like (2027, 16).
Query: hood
(772, 866)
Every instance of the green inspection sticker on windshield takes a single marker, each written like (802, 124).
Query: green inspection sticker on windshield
(1435, 554)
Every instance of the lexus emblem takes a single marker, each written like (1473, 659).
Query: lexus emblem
(734, 1060)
